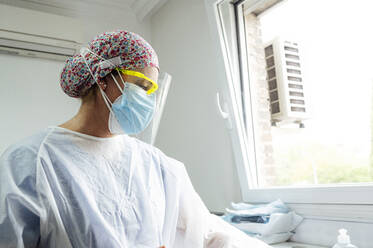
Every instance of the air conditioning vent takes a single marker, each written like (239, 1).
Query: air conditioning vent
(15, 43)
(285, 81)
(272, 83)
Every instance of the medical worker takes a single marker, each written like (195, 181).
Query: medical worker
(87, 183)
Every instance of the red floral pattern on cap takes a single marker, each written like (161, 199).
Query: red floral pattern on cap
(133, 50)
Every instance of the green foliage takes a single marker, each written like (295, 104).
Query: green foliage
(301, 165)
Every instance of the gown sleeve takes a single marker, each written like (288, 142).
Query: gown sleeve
(19, 218)
(196, 227)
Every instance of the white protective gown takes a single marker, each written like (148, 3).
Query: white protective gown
(64, 189)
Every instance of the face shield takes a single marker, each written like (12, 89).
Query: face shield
(150, 132)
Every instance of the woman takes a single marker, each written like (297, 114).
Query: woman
(86, 183)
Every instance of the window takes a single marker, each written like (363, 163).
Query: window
(325, 205)
(335, 144)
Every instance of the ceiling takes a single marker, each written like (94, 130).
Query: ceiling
(141, 8)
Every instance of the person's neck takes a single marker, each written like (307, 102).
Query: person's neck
(91, 120)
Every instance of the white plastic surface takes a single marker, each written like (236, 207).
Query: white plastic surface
(296, 245)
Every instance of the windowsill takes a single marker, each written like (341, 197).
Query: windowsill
(342, 203)
(295, 245)
(328, 194)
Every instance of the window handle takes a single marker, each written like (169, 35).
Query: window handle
(225, 115)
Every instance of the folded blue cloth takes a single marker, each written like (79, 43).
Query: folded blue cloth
(272, 223)
(255, 219)
(245, 219)
(244, 209)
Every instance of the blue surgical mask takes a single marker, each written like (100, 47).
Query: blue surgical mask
(132, 111)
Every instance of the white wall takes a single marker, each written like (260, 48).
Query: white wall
(103, 20)
(91, 18)
(30, 97)
(191, 130)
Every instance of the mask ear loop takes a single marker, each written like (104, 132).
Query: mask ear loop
(107, 101)
(116, 82)
(103, 94)
(120, 75)
(85, 49)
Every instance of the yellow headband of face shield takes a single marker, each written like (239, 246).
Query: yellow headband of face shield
(140, 75)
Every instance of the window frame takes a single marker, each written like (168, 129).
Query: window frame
(338, 194)
(228, 91)
(331, 202)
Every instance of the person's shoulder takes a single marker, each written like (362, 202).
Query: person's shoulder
(31, 143)
(25, 149)
(18, 165)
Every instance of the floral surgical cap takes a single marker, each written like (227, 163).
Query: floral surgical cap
(122, 49)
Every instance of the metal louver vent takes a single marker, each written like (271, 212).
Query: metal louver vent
(285, 81)
(294, 75)
(272, 83)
